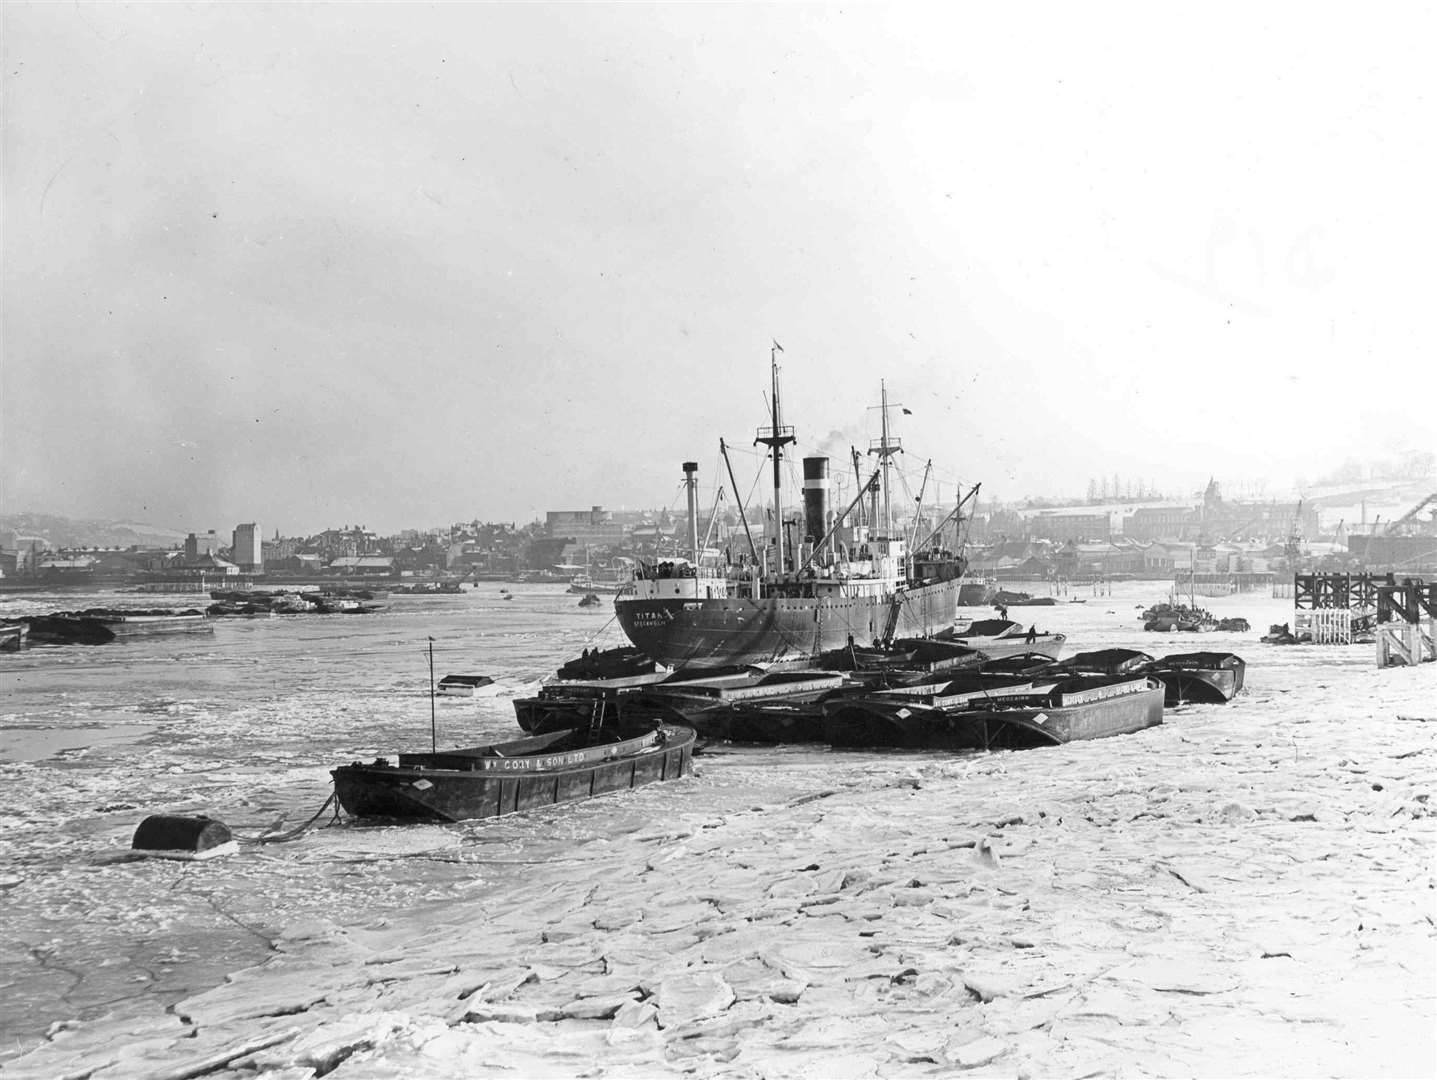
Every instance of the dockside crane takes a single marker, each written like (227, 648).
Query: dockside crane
(1294, 541)
(1401, 525)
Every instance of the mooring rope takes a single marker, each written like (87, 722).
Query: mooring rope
(597, 634)
(277, 838)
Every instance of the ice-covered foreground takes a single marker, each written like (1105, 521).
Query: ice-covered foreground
(1244, 891)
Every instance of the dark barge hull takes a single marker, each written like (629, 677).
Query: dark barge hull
(581, 703)
(705, 633)
(862, 722)
(1207, 678)
(428, 794)
(101, 629)
(1065, 724)
(773, 723)
(1197, 687)
(539, 714)
(975, 594)
(143, 625)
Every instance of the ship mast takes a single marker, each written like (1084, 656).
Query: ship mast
(776, 437)
(885, 449)
(883, 458)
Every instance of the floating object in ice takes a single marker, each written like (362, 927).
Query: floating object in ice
(172, 837)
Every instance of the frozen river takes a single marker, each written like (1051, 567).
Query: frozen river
(242, 724)
(1185, 901)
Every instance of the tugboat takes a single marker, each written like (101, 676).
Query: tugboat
(843, 583)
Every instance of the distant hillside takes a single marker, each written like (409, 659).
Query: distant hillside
(1384, 500)
(58, 532)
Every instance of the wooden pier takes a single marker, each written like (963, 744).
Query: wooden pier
(1334, 609)
(1405, 617)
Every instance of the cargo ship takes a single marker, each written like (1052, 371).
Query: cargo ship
(833, 582)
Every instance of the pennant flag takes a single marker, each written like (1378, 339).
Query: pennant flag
(777, 346)
(907, 412)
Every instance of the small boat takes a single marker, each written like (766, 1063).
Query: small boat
(1166, 617)
(590, 600)
(610, 580)
(726, 703)
(1084, 707)
(927, 717)
(1108, 662)
(504, 778)
(975, 591)
(1209, 678)
(463, 685)
(564, 705)
(1003, 598)
(1014, 713)
(99, 626)
(1281, 634)
(904, 659)
(594, 684)
(140, 623)
(1004, 637)
(1024, 663)
(694, 696)
(616, 663)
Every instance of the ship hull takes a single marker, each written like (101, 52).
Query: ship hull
(707, 633)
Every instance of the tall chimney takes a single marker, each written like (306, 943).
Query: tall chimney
(815, 498)
(691, 482)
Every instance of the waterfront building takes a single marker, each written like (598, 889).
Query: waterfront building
(374, 566)
(247, 551)
(197, 546)
(1162, 523)
(1059, 526)
(592, 528)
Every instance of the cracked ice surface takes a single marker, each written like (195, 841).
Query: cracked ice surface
(1244, 891)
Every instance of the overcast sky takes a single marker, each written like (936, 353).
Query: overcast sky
(408, 265)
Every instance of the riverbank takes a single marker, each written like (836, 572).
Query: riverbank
(1246, 890)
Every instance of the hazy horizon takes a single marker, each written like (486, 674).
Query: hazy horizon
(324, 264)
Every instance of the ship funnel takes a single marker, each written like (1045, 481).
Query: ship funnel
(815, 498)
(691, 483)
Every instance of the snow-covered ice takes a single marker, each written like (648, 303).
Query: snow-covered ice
(1246, 890)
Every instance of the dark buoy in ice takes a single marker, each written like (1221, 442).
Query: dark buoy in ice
(171, 837)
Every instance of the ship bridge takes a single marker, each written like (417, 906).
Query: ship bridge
(681, 579)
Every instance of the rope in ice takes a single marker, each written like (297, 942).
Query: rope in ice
(291, 834)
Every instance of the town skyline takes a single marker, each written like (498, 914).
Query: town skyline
(1387, 484)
